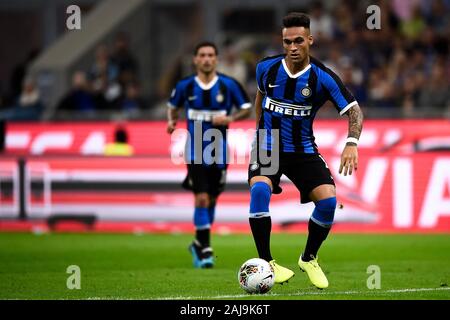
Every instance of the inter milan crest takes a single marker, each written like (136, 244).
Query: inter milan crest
(219, 98)
(306, 92)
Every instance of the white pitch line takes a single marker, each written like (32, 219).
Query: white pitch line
(306, 294)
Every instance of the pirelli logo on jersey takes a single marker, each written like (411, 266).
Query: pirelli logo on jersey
(287, 108)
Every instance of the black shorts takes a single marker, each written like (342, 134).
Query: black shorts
(306, 171)
(209, 179)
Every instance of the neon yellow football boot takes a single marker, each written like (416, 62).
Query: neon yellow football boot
(282, 274)
(315, 273)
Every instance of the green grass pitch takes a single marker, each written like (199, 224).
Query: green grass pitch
(115, 266)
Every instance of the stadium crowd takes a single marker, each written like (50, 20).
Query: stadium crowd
(399, 70)
(111, 84)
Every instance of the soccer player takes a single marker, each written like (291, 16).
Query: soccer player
(208, 97)
(291, 89)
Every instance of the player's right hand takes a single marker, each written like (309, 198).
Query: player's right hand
(171, 126)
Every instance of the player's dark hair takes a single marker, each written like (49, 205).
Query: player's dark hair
(296, 19)
(205, 44)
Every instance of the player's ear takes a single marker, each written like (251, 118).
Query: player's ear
(310, 40)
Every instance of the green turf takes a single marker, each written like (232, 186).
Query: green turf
(159, 266)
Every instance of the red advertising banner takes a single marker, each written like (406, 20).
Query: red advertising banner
(151, 139)
(402, 183)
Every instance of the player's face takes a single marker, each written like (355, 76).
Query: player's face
(296, 43)
(205, 60)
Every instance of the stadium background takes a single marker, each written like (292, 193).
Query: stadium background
(63, 93)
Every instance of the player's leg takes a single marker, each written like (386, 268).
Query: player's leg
(319, 225)
(203, 230)
(260, 220)
(207, 250)
(214, 180)
(212, 209)
(321, 220)
(217, 180)
(261, 224)
(201, 219)
(311, 176)
(197, 182)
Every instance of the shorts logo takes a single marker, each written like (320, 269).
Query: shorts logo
(306, 92)
(219, 98)
(254, 166)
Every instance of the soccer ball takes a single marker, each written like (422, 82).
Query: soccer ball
(256, 276)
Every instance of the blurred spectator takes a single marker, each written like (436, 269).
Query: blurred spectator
(18, 75)
(436, 91)
(352, 78)
(321, 22)
(343, 21)
(231, 64)
(124, 60)
(404, 8)
(439, 18)
(80, 98)
(273, 47)
(104, 75)
(413, 27)
(381, 92)
(132, 103)
(120, 146)
(103, 69)
(29, 105)
(333, 60)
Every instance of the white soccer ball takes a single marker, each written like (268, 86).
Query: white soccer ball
(256, 276)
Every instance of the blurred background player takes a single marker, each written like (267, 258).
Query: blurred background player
(291, 89)
(120, 146)
(208, 97)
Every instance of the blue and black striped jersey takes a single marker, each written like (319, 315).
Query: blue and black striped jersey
(291, 101)
(204, 101)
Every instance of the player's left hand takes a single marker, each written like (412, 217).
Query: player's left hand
(221, 120)
(349, 160)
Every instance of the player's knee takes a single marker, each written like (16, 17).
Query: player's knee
(259, 199)
(323, 213)
(202, 200)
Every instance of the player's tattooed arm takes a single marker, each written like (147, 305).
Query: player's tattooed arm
(172, 118)
(355, 123)
(349, 157)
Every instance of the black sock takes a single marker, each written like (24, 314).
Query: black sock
(261, 228)
(203, 236)
(316, 235)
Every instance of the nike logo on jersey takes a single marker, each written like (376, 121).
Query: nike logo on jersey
(192, 98)
(273, 85)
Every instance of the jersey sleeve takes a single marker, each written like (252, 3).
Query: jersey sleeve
(177, 96)
(338, 92)
(260, 78)
(239, 96)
